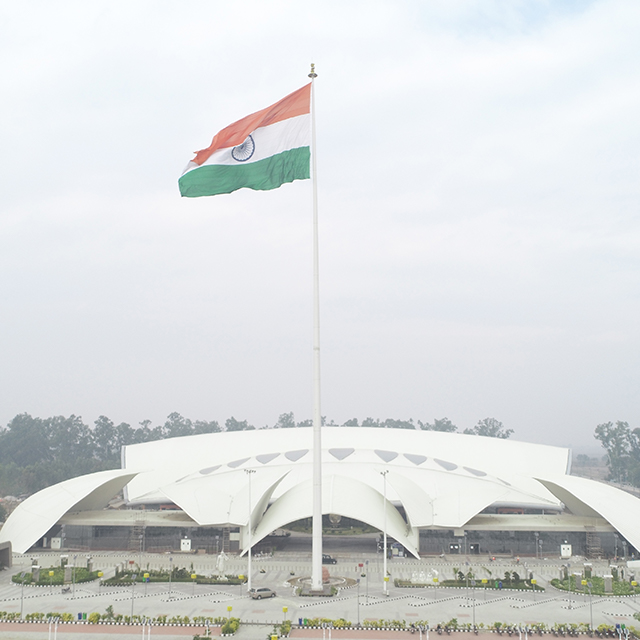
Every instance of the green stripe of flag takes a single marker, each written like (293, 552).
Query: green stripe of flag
(263, 175)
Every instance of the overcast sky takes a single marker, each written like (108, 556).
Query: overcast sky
(479, 225)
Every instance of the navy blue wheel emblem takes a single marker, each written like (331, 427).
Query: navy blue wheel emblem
(244, 151)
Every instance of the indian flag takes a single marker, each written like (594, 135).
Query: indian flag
(261, 152)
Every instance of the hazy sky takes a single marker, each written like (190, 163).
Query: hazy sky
(480, 233)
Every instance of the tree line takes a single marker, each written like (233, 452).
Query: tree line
(622, 444)
(38, 452)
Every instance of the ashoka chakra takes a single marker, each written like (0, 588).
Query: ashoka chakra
(244, 151)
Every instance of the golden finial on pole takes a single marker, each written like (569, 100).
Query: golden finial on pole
(313, 73)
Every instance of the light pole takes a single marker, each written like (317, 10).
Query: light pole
(249, 472)
(367, 576)
(22, 575)
(384, 534)
(590, 584)
(73, 591)
(170, 572)
(358, 601)
(473, 601)
(133, 585)
(467, 581)
(54, 622)
(534, 582)
(537, 535)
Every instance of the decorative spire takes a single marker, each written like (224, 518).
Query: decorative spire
(313, 73)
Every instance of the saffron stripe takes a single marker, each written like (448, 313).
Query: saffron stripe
(295, 104)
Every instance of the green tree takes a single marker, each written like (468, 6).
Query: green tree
(622, 447)
(104, 440)
(202, 426)
(285, 421)
(25, 441)
(390, 423)
(176, 426)
(490, 428)
(231, 424)
(443, 424)
(3, 513)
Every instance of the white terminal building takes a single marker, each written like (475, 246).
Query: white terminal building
(433, 492)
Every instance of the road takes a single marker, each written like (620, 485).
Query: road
(357, 603)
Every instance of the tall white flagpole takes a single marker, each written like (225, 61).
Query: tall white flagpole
(316, 549)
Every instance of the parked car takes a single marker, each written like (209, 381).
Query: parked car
(262, 592)
(327, 559)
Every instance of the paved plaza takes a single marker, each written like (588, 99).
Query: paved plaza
(356, 604)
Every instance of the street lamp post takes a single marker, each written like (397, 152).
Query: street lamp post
(170, 572)
(358, 601)
(249, 472)
(367, 576)
(467, 581)
(473, 602)
(384, 534)
(133, 585)
(537, 535)
(590, 585)
(73, 590)
(22, 575)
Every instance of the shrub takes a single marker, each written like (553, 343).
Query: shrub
(230, 626)
(285, 628)
(94, 617)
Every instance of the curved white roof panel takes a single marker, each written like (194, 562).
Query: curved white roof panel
(167, 461)
(585, 497)
(38, 513)
(433, 480)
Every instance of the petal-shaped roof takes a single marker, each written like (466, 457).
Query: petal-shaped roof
(167, 461)
(38, 513)
(586, 497)
(433, 480)
(223, 498)
(342, 496)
